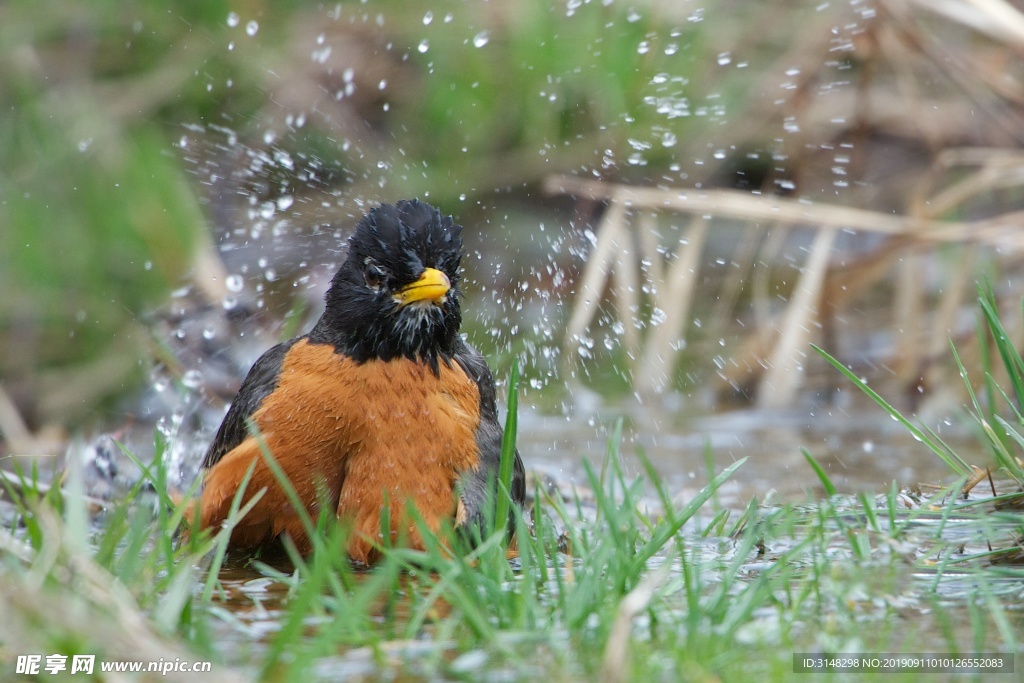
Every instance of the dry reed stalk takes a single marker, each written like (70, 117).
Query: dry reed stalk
(908, 313)
(12, 426)
(654, 372)
(650, 249)
(64, 596)
(625, 276)
(743, 206)
(995, 169)
(595, 273)
(1000, 231)
(952, 300)
(743, 260)
(615, 663)
(785, 370)
(998, 19)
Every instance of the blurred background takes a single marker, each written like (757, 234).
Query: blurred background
(665, 204)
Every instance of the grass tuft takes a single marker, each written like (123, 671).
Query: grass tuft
(633, 582)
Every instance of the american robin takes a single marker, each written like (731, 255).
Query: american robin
(381, 405)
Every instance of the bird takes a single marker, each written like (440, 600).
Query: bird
(380, 407)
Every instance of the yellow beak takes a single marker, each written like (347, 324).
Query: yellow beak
(432, 285)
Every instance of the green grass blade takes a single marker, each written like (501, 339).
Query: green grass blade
(286, 485)
(985, 361)
(149, 475)
(1005, 458)
(951, 459)
(717, 522)
(235, 513)
(1007, 351)
(503, 504)
(664, 532)
(749, 516)
(830, 488)
(996, 442)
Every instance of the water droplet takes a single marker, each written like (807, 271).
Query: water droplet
(252, 27)
(285, 202)
(233, 19)
(427, 18)
(644, 47)
(383, 84)
(423, 46)
(320, 56)
(234, 283)
(481, 39)
(724, 58)
(192, 379)
(148, 265)
(209, 333)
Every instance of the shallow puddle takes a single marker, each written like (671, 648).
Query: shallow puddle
(923, 575)
(862, 452)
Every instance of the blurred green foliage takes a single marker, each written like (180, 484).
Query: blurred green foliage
(97, 221)
(552, 91)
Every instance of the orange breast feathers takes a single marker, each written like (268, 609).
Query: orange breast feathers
(354, 437)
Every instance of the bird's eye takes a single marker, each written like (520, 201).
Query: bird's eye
(374, 275)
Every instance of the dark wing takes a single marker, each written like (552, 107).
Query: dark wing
(475, 484)
(261, 380)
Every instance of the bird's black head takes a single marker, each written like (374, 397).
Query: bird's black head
(397, 295)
